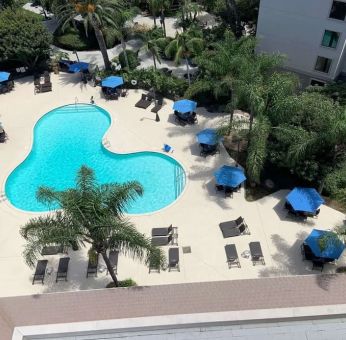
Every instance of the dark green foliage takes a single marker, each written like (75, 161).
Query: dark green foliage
(123, 283)
(169, 86)
(23, 38)
(336, 91)
(132, 58)
(74, 39)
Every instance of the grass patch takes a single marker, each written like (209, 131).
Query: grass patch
(123, 283)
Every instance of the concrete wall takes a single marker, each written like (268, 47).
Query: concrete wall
(295, 28)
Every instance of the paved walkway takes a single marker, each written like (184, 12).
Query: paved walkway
(261, 299)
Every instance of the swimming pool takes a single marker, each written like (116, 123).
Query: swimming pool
(70, 136)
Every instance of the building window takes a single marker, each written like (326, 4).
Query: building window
(338, 10)
(330, 39)
(323, 64)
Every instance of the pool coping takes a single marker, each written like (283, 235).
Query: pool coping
(112, 123)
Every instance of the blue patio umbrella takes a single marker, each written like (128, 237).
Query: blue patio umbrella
(112, 82)
(78, 67)
(229, 176)
(208, 137)
(184, 106)
(332, 245)
(4, 76)
(305, 199)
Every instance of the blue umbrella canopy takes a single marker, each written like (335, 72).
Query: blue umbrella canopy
(4, 76)
(208, 137)
(229, 176)
(184, 106)
(78, 67)
(332, 245)
(112, 82)
(305, 199)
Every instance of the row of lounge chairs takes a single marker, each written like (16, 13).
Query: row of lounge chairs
(234, 228)
(147, 99)
(164, 236)
(92, 269)
(173, 261)
(41, 269)
(255, 253)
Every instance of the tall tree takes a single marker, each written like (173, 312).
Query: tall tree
(96, 14)
(90, 214)
(150, 45)
(23, 38)
(185, 45)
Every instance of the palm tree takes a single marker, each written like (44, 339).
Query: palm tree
(89, 213)
(96, 14)
(150, 45)
(184, 46)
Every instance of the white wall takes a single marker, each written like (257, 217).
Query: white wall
(295, 28)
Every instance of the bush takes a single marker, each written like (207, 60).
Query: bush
(132, 58)
(73, 39)
(162, 43)
(168, 86)
(23, 38)
(123, 283)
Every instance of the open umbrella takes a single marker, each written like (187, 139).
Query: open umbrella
(78, 67)
(305, 199)
(112, 82)
(332, 246)
(184, 106)
(4, 76)
(229, 176)
(208, 137)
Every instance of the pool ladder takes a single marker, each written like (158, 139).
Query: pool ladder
(179, 180)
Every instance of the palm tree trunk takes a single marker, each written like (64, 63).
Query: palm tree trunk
(234, 19)
(162, 19)
(154, 61)
(123, 45)
(102, 45)
(188, 70)
(154, 16)
(110, 269)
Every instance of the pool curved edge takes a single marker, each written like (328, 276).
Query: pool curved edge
(27, 153)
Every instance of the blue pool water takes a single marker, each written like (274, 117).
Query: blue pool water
(70, 136)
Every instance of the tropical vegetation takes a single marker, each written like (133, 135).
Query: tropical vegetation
(93, 214)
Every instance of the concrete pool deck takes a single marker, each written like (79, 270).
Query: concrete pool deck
(196, 213)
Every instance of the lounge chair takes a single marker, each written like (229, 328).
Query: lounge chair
(62, 269)
(158, 106)
(256, 253)
(232, 255)
(163, 231)
(233, 223)
(92, 266)
(173, 259)
(40, 271)
(229, 231)
(163, 240)
(144, 102)
(113, 259)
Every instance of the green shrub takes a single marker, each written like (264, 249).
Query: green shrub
(132, 57)
(168, 86)
(162, 43)
(123, 283)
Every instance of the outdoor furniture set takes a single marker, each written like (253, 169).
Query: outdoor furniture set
(255, 253)
(41, 266)
(42, 83)
(234, 228)
(163, 237)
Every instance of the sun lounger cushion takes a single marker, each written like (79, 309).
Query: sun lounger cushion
(173, 259)
(40, 271)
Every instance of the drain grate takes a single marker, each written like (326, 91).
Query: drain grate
(186, 250)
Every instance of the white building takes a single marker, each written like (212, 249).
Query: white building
(310, 33)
